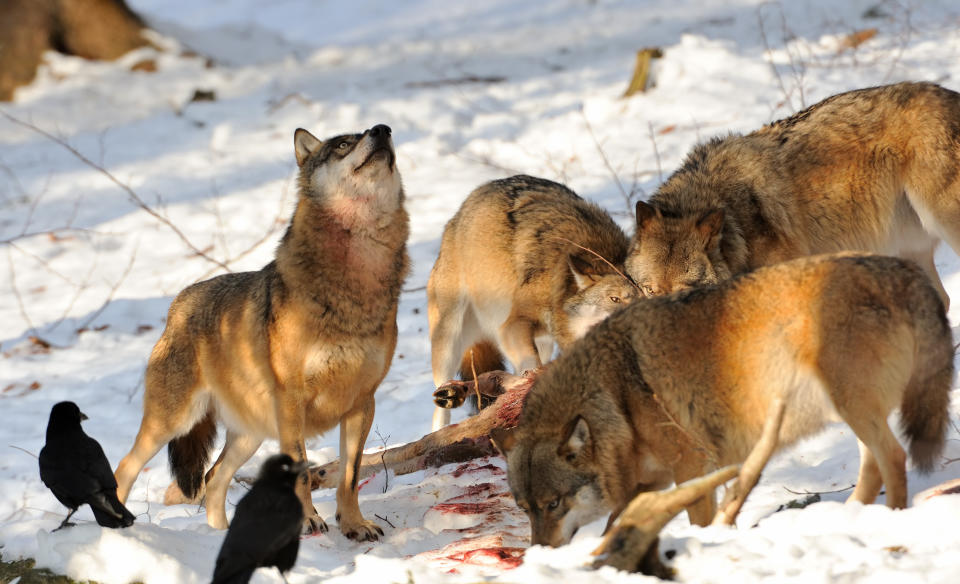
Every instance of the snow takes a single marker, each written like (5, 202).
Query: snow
(98, 272)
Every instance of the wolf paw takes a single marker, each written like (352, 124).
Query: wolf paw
(449, 395)
(314, 525)
(362, 531)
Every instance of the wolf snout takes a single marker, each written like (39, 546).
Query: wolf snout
(380, 130)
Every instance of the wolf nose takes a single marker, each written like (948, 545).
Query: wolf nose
(380, 130)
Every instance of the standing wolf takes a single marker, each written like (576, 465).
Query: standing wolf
(873, 170)
(519, 269)
(291, 350)
(672, 387)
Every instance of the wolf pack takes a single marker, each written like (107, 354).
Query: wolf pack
(776, 282)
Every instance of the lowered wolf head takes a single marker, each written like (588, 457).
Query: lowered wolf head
(353, 175)
(600, 290)
(554, 479)
(674, 253)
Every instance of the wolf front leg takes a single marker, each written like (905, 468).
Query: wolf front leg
(290, 423)
(354, 427)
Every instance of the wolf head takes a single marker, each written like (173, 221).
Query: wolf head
(554, 480)
(600, 291)
(353, 175)
(674, 253)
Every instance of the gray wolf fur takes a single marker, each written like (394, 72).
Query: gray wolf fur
(518, 270)
(291, 350)
(874, 170)
(672, 387)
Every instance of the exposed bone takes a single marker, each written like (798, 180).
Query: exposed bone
(455, 443)
(752, 466)
(632, 543)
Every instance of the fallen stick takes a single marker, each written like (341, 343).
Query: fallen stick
(454, 443)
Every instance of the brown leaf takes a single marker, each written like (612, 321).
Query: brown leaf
(34, 386)
(857, 38)
(144, 328)
(146, 65)
(667, 129)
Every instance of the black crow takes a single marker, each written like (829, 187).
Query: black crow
(74, 467)
(266, 526)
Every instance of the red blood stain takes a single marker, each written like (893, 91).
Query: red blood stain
(466, 508)
(471, 467)
(504, 558)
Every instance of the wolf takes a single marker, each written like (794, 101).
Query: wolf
(672, 387)
(293, 349)
(874, 170)
(524, 263)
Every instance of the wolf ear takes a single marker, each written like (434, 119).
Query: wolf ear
(645, 214)
(304, 144)
(504, 439)
(578, 440)
(709, 225)
(584, 272)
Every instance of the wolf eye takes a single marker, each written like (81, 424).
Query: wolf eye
(553, 504)
(615, 299)
(342, 145)
(647, 289)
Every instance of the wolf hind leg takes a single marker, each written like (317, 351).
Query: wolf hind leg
(453, 331)
(237, 449)
(869, 479)
(170, 410)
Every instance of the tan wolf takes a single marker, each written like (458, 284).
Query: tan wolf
(291, 350)
(675, 386)
(875, 170)
(518, 270)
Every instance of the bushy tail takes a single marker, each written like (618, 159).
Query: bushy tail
(482, 357)
(924, 411)
(190, 453)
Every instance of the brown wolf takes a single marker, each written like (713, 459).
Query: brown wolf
(519, 269)
(294, 349)
(874, 170)
(671, 387)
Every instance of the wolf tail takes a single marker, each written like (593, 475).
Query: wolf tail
(189, 454)
(480, 358)
(924, 411)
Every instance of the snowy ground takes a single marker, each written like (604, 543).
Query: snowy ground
(89, 271)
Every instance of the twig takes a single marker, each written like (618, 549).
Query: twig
(16, 293)
(476, 384)
(386, 474)
(124, 187)
(603, 156)
(698, 443)
(792, 492)
(385, 519)
(605, 260)
(23, 450)
(656, 151)
(113, 289)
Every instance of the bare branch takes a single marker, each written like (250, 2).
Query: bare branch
(123, 186)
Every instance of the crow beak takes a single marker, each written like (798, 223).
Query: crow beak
(83, 416)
